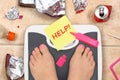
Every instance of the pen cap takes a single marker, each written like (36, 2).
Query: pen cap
(64, 56)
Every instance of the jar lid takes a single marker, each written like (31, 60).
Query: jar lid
(104, 9)
(11, 36)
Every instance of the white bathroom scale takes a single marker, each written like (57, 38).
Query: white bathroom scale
(35, 35)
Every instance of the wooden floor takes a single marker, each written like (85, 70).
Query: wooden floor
(111, 46)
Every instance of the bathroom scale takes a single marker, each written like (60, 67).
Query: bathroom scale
(35, 35)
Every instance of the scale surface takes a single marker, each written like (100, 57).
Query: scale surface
(35, 35)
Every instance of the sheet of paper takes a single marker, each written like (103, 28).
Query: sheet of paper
(59, 33)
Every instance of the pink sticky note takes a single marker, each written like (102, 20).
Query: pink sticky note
(112, 70)
(61, 61)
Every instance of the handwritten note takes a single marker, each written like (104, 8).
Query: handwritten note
(59, 33)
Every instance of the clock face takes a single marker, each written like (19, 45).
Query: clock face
(101, 12)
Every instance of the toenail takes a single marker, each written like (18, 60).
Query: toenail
(90, 52)
(81, 46)
(42, 46)
(33, 52)
(36, 49)
(88, 48)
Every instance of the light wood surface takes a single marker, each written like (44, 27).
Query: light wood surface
(111, 46)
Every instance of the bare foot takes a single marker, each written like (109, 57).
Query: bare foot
(42, 64)
(81, 66)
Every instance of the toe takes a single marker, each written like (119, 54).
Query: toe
(79, 50)
(34, 55)
(85, 54)
(93, 63)
(91, 60)
(37, 53)
(32, 60)
(31, 66)
(44, 50)
(37, 50)
(89, 55)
